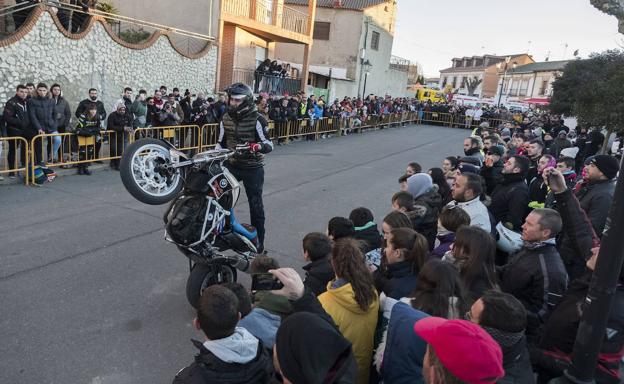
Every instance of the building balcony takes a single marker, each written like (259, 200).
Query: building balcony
(262, 82)
(267, 18)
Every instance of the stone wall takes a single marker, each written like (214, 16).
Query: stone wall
(42, 51)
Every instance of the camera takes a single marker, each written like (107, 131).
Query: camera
(265, 282)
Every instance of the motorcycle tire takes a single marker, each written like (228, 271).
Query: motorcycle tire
(129, 177)
(204, 275)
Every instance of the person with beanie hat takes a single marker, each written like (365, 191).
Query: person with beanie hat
(596, 196)
(427, 206)
(418, 184)
(459, 350)
(468, 168)
(309, 348)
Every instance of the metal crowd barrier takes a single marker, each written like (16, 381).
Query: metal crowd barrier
(20, 148)
(208, 136)
(183, 137)
(109, 145)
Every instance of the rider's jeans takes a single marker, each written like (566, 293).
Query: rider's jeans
(253, 180)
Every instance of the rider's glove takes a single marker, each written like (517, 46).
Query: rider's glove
(254, 147)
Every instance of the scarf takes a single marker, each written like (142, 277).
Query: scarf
(503, 338)
(539, 244)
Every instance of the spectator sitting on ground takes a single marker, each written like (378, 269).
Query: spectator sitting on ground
(427, 206)
(451, 357)
(473, 147)
(318, 272)
(339, 227)
(492, 170)
(439, 291)
(259, 322)
(403, 182)
(466, 193)
(365, 229)
(449, 166)
(405, 254)
(351, 301)
(444, 190)
(474, 251)
(308, 347)
(504, 318)
(510, 198)
(267, 300)
(230, 354)
(536, 275)
(451, 219)
(413, 168)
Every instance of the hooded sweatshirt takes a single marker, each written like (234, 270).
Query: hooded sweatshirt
(418, 184)
(309, 346)
(357, 326)
(240, 347)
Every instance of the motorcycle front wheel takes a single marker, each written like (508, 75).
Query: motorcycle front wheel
(143, 175)
(204, 275)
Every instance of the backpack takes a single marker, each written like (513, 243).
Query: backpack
(42, 174)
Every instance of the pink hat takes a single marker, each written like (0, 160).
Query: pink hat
(464, 348)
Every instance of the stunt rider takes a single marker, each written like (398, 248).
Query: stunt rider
(242, 125)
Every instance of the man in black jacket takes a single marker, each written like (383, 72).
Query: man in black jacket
(93, 99)
(18, 125)
(316, 251)
(230, 354)
(596, 196)
(121, 123)
(510, 198)
(41, 113)
(492, 171)
(81, 110)
(536, 275)
(534, 152)
(242, 125)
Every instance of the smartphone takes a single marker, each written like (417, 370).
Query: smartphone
(265, 282)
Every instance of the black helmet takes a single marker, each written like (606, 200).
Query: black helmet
(244, 92)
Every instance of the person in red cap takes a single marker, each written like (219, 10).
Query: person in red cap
(459, 351)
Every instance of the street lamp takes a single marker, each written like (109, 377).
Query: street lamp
(366, 66)
(504, 67)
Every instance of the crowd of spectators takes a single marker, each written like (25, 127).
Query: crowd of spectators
(478, 275)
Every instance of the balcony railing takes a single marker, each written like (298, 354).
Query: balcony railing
(268, 12)
(261, 82)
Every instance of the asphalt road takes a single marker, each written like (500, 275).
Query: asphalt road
(91, 293)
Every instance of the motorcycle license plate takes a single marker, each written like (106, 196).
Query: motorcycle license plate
(219, 185)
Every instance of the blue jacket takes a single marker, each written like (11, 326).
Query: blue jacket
(405, 350)
(397, 281)
(262, 324)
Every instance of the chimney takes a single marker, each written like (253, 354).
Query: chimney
(337, 4)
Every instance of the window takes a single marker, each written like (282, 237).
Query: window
(321, 30)
(454, 81)
(463, 82)
(375, 41)
(444, 82)
(543, 88)
(524, 87)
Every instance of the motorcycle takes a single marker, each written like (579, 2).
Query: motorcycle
(200, 219)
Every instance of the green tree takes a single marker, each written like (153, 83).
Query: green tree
(592, 90)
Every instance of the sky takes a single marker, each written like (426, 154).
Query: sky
(433, 32)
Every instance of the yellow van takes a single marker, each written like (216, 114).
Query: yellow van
(432, 95)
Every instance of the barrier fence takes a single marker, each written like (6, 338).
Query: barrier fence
(74, 150)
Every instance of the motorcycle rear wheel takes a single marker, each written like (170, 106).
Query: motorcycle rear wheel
(140, 174)
(204, 275)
